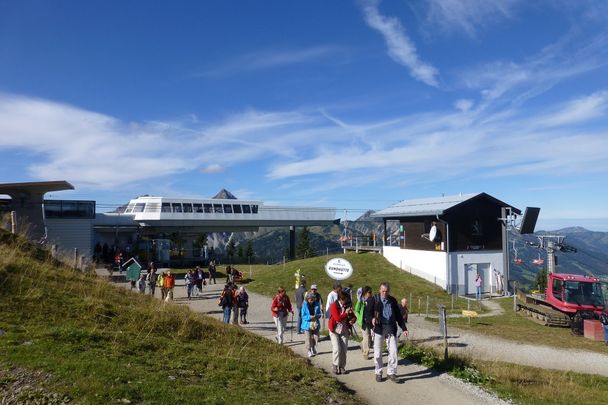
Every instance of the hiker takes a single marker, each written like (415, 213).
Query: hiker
(169, 281)
(160, 281)
(199, 276)
(319, 300)
(243, 303)
(212, 272)
(280, 307)
(404, 310)
(189, 280)
(235, 306)
(141, 283)
(300, 293)
(478, 286)
(364, 323)
(225, 301)
(385, 315)
(332, 297)
(341, 320)
(152, 276)
(229, 276)
(310, 325)
(604, 321)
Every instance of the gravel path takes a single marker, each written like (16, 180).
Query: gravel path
(493, 348)
(419, 385)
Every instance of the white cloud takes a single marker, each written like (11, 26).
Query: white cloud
(400, 47)
(276, 58)
(212, 168)
(463, 105)
(579, 110)
(468, 15)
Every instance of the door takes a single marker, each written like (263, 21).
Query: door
(471, 270)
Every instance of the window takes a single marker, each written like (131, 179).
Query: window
(557, 289)
(227, 209)
(254, 209)
(69, 209)
(187, 207)
(246, 209)
(139, 207)
(166, 207)
(52, 209)
(217, 208)
(208, 208)
(129, 209)
(197, 207)
(236, 208)
(177, 207)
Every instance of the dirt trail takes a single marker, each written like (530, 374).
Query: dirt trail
(419, 385)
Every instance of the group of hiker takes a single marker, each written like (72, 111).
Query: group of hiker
(380, 318)
(234, 302)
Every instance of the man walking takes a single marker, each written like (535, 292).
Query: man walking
(280, 307)
(385, 316)
(300, 293)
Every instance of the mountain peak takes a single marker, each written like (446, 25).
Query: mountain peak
(224, 195)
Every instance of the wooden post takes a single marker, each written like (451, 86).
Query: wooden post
(419, 305)
(427, 306)
(13, 222)
(75, 258)
(514, 296)
(443, 319)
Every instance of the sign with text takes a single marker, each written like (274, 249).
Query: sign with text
(339, 269)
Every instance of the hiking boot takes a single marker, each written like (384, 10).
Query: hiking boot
(314, 350)
(343, 371)
(378, 377)
(310, 354)
(393, 378)
(336, 370)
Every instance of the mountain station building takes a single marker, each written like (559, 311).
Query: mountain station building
(449, 240)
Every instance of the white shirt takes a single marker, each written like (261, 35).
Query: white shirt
(331, 298)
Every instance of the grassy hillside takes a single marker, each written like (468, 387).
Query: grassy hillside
(79, 338)
(369, 269)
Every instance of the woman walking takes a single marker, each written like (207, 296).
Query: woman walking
(341, 319)
(242, 301)
(280, 307)
(311, 313)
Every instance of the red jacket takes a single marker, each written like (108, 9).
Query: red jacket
(338, 314)
(280, 304)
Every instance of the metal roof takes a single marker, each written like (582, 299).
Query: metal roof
(35, 187)
(429, 206)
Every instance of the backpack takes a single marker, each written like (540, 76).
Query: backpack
(604, 318)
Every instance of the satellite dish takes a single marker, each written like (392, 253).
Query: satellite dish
(433, 233)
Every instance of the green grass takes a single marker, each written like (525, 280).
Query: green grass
(520, 384)
(369, 269)
(101, 344)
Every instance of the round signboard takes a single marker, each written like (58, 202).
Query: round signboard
(339, 269)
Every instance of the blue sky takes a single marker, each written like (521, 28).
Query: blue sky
(354, 105)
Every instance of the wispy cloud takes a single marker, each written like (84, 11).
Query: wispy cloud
(276, 58)
(468, 16)
(400, 47)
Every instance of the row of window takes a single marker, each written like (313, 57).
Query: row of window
(69, 209)
(206, 208)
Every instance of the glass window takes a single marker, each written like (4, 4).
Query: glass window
(557, 289)
(236, 208)
(129, 209)
(166, 207)
(208, 208)
(197, 207)
(139, 207)
(187, 207)
(254, 209)
(217, 208)
(227, 209)
(246, 209)
(52, 209)
(177, 207)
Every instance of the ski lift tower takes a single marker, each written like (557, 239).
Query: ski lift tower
(527, 225)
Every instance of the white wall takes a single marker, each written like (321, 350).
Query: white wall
(430, 266)
(458, 261)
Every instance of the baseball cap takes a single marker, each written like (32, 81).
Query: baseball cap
(313, 287)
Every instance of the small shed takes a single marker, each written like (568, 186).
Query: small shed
(448, 240)
(133, 269)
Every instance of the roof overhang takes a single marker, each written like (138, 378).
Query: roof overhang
(35, 187)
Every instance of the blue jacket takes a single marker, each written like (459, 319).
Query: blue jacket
(306, 315)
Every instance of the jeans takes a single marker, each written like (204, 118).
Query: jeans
(227, 310)
(478, 294)
(391, 343)
(299, 324)
(606, 334)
